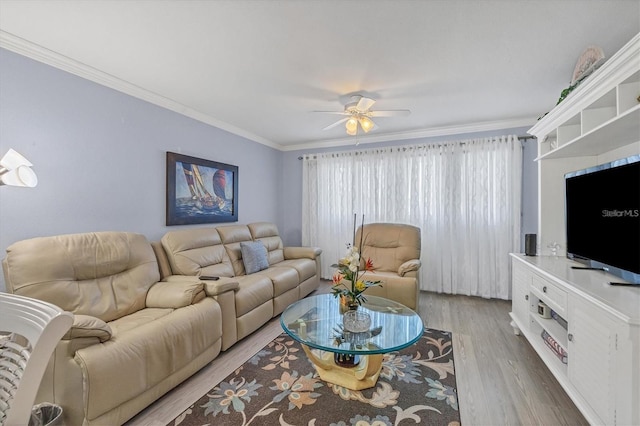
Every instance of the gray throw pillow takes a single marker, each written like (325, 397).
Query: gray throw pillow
(254, 256)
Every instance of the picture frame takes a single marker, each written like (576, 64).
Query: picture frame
(200, 191)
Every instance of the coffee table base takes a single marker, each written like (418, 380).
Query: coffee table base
(363, 376)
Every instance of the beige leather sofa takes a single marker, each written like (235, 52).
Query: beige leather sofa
(133, 338)
(395, 251)
(291, 272)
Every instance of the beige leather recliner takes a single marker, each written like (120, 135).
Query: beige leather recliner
(395, 251)
(133, 338)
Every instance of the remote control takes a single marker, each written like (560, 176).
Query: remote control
(208, 278)
(588, 268)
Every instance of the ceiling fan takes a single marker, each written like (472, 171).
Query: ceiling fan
(358, 114)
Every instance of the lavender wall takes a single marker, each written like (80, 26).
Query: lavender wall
(100, 157)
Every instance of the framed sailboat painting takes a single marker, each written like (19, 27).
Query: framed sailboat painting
(200, 191)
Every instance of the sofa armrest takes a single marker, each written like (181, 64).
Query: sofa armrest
(224, 284)
(88, 326)
(211, 288)
(302, 252)
(181, 279)
(409, 266)
(175, 294)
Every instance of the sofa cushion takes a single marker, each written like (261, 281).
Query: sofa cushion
(283, 278)
(389, 244)
(267, 234)
(231, 237)
(137, 319)
(102, 274)
(253, 291)
(197, 251)
(254, 257)
(147, 347)
(306, 268)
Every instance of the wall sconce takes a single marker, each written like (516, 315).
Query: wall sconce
(15, 170)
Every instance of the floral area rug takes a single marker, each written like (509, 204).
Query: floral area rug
(279, 386)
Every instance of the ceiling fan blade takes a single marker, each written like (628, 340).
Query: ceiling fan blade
(390, 113)
(334, 112)
(331, 126)
(364, 104)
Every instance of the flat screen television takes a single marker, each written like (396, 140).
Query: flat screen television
(602, 211)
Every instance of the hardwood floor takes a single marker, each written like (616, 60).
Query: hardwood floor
(500, 379)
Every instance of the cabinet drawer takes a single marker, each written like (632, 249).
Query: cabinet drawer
(550, 293)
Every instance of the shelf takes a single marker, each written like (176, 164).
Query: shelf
(628, 92)
(618, 77)
(603, 138)
(545, 353)
(601, 115)
(554, 329)
(569, 130)
(599, 112)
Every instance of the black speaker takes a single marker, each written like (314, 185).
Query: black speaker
(530, 244)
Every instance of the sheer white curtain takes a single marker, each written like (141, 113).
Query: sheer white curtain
(465, 197)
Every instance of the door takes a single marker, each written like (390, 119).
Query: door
(592, 351)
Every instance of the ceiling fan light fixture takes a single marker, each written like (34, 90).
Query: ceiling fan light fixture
(366, 123)
(357, 113)
(351, 126)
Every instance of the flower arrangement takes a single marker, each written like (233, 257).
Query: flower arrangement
(346, 280)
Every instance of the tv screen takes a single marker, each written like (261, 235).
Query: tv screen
(603, 217)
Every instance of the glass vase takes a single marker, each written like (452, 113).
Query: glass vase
(347, 304)
(356, 321)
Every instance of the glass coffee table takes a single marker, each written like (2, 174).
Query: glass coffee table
(350, 359)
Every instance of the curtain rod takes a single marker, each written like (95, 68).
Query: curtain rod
(521, 138)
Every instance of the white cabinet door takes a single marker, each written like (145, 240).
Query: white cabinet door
(592, 346)
(521, 281)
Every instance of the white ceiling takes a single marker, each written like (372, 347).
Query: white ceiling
(260, 68)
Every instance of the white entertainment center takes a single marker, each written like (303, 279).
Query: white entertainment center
(596, 325)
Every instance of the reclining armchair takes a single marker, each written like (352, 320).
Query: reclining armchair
(395, 251)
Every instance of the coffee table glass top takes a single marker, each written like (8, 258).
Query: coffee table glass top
(316, 321)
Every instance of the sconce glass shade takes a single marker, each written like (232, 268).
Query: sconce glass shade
(15, 170)
(366, 124)
(22, 176)
(12, 160)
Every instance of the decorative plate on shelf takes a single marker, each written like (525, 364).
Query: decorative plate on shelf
(588, 62)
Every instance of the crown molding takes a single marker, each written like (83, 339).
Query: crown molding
(486, 126)
(41, 54)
